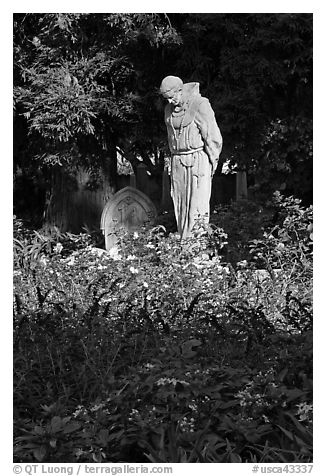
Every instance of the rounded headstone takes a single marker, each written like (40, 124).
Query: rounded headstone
(129, 209)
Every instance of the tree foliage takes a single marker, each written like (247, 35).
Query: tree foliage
(257, 71)
(87, 84)
(77, 81)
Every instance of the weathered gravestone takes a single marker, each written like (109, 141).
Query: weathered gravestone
(129, 209)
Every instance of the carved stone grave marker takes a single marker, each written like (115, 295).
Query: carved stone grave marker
(128, 209)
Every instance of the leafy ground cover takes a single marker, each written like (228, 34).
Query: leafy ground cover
(157, 352)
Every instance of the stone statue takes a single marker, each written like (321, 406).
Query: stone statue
(195, 144)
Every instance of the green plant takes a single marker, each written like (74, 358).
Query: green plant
(161, 352)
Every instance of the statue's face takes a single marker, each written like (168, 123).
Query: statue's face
(174, 96)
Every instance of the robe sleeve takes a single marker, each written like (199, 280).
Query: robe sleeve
(167, 115)
(210, 132)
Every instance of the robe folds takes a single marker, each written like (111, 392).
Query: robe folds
(195, 143)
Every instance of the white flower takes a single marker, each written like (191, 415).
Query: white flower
(131, 257)
(187, 424)
(58, 248)
(197, 262)
(114, 253)
(71, 262)
(96, 407)
(145, 284)
(43, 260)
(204, 261)
(173, 381)
(280, 248)
(106, 299)
(96, 251)
(100, 267)
(133, 414)
(149, 366)
(79, 453)
(242, 264)
(133, 270)
(261, 274)
(136, 235)
(80, 409)
(304, 411)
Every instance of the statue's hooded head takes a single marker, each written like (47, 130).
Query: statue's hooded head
(171, 89)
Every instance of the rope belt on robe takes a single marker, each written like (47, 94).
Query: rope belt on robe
(187, 152)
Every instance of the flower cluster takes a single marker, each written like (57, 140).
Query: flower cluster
(134, 413)
(172, 381)
(304, 412)
(187, 425)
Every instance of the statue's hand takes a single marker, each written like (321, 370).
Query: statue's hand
(214, 167)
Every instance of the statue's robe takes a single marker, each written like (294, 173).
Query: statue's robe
(195, 144)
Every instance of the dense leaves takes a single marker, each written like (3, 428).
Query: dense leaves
(86, 85)
(255, 68)
(153, 352)
(76, 76)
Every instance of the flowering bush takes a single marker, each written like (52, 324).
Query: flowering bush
(156, 351)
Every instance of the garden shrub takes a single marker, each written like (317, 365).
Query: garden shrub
(157, 352)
